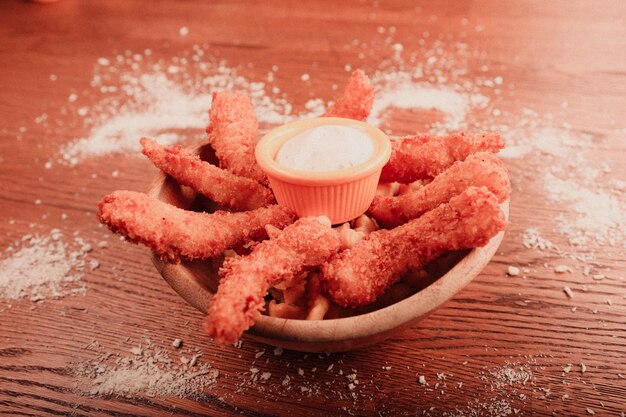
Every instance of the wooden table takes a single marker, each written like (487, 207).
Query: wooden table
(564, 59)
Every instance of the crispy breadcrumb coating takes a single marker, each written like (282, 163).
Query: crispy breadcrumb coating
(175, 233)
(479, 169)
(425, 156)
(246, 280)
(357, 276)
(222, 186)
(356, 100)
(233, 132)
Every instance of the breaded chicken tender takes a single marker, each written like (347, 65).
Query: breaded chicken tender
(356, 100)
(232, 133)
(222, 186)
(174, 233)
(479, 169)
(246, 280)
(426, 156)
(357, 276)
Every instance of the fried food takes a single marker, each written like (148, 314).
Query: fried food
(222, 186)
(426, 156)
(356, 100)
(233, 132)
(357, 276)
(479, 169)
(174, 233)
(246, 280)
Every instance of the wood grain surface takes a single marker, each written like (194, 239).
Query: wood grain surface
(565, 61)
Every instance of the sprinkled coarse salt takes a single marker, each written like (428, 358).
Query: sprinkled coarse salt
(401, 90)
(422, 380)
(183, 31)
(153, 373)
(590, 411)
(583, 368)
(259, 354)
(177, 343)
(513, 271)
(278, 351)
(40, 267)
(166, 101)
(560, 269)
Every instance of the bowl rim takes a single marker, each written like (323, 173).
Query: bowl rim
(400, 314)
(269, 144)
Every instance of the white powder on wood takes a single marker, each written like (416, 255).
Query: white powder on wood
(402, 91)
(149, 371)
(168, 101)
(40, 267)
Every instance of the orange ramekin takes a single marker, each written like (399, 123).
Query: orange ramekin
(341, 195)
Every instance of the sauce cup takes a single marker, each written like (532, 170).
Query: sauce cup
(343, 194)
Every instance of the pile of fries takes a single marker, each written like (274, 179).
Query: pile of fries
(437, 194)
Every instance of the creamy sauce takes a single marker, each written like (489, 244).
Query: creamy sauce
(326, 148)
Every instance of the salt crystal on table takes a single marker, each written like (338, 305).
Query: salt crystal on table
(513, 271)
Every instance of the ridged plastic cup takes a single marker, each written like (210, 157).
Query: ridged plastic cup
(341, 195)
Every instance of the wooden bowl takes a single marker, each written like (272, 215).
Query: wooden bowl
(196, 282)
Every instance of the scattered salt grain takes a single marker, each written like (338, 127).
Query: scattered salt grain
(177, 343)
(583, 368)
(567, 368)
(278, 351)
(305, 77)
(259, 354)
(183, 31)
(568, 291)
(422, 380)
(136, 351)
(513, 271)
(561, 269)
(590, 411)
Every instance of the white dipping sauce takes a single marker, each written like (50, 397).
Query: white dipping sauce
(326, 148)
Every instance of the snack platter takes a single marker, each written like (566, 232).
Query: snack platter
(378, 244)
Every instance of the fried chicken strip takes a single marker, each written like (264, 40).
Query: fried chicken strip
(223, 187)
(233, 132)
(356, 100)
(479, 169)
(174, 233)
(245, 280)
(357, 276)
(425, 156)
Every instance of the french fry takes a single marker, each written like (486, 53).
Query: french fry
(286, 311)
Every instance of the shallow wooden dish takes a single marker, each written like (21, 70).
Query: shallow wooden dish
(196, 282)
